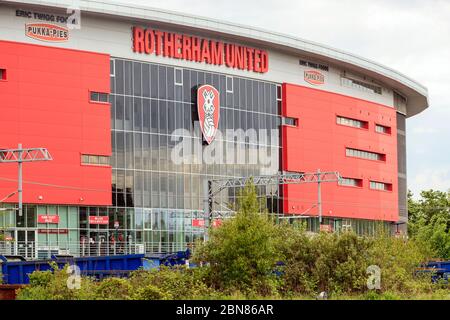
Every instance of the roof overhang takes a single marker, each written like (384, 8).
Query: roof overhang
(416, 94)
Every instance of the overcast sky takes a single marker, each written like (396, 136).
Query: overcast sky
(411, 36)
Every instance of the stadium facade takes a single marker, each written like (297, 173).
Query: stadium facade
(138, 107)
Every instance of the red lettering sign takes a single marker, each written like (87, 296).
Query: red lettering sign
(98, 220)
(199, 223)
(178, 46)
(46, 218)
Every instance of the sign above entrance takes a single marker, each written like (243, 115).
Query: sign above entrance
(46, 218)
(98, 220)
(184, 47)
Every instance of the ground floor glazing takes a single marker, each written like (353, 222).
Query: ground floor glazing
(44, 230)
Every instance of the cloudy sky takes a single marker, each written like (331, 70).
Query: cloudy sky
(411, 36)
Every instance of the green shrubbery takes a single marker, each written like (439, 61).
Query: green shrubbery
(240, 262)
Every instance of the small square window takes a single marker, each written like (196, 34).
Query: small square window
(2, 74)
(103, 97)
(290, 121)
(93, 159)
(229, 84)
(85, 159)
(94, 96)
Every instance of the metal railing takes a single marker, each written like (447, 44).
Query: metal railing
(44, 250)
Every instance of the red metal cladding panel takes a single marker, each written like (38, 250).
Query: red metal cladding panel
(45, 103)
(318, 142)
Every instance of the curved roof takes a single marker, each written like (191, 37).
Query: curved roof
(417, 94)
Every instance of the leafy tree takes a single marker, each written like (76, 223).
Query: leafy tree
(242, 251)
(429, 221)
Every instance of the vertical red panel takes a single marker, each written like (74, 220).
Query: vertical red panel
(318, 142)
(45, 103)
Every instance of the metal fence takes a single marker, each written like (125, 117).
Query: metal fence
(34, 250)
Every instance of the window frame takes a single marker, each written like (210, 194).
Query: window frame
(232, 84)
(386, 129)
(365, 155)
(387, 187)
(99, 94)
(365, 123)
(3, 74)
(98, 158)
(295, 120)
(360, 183)
(175, 76)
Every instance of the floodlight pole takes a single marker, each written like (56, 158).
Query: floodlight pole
(20, 187)
(319, 196)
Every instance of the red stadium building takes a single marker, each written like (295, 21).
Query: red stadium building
(140, 107)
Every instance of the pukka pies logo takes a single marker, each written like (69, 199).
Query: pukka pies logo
(208, 107)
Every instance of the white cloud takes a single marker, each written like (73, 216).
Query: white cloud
(424, 130)
(437, 179)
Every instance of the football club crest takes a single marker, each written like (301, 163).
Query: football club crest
(208, 106)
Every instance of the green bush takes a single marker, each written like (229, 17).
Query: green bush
(45, 285)
(242, 252)
(113, 289)
(323, 262)
(176, 283)
(151, 292)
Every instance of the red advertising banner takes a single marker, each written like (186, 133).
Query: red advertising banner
(98, 220)
(200, 223)
(47, 218)
(53, 231)
(326, 228)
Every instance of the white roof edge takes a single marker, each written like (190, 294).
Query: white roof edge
(417, 104)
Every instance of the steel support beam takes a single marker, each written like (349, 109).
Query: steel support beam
(20, 156)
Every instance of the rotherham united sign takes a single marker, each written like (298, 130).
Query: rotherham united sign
(180, 46)
(208, 108)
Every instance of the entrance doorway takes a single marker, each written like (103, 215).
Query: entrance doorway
(96, 244)
(25, 244)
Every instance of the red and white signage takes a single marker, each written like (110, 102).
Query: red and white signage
(199, 223)
(208, 108)
(46, 32)
(47, 218)
(181, 46)
(314, 77)
(98, 220)
(326, 228)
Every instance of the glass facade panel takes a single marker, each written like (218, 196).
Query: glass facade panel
(156, 99)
